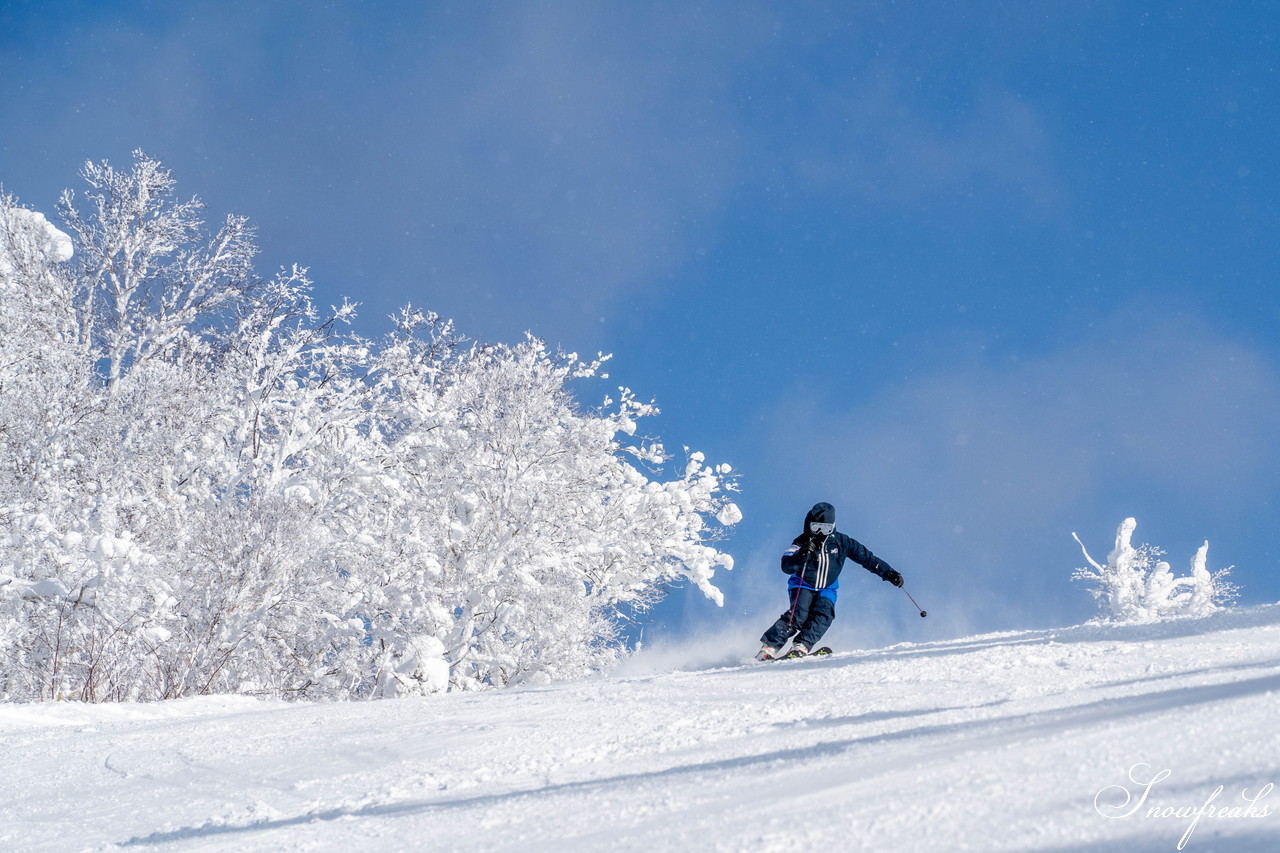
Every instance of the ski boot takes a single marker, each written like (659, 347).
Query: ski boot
(766, 653)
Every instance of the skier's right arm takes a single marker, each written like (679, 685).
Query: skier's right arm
(793, 559)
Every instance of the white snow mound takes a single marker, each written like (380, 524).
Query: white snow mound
(30, 233)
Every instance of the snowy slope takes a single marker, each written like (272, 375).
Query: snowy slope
(991, 743)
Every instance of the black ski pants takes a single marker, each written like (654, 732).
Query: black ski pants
(810, 614)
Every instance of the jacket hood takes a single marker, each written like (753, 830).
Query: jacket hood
(822, 513)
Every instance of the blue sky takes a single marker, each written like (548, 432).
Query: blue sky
(980, 274)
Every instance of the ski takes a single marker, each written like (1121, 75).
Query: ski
(821, 652)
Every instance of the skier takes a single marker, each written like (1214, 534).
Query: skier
(814, 561)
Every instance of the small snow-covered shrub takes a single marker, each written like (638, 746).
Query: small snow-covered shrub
(1135, 585)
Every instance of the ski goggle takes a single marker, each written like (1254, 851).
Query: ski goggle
(823, 528)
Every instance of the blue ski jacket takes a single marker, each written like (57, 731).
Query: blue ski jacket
(814, 562)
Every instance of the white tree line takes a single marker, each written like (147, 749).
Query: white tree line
(206, 486)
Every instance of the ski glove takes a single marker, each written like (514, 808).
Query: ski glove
(893, 577)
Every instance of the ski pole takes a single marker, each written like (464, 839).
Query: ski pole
(913, 601)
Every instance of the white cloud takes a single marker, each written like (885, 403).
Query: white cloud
(888, 147)
(976, 475)
(577, 158)
(520, 168)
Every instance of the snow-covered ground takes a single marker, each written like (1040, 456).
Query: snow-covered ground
(1013, 741)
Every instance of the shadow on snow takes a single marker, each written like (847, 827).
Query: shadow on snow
(956, 738)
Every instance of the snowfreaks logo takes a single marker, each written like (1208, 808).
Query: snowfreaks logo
(1119, 801)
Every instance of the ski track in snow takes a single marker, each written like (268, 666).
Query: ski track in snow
(992, 743)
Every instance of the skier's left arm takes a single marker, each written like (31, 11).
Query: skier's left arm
(862, 555)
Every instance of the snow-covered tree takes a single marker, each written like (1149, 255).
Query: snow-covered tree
(537, 529)
(1135, 585)
(42, 373)
(149, 278)
(206, 485)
